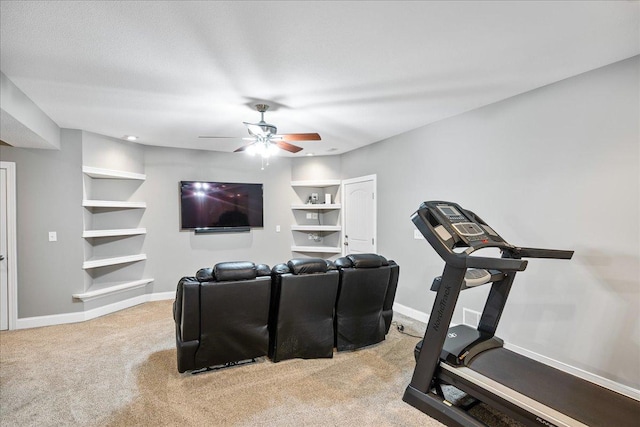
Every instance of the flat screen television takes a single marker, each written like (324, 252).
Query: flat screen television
(220, 206)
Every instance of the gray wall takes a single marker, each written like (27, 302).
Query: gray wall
(173, 253)
(556, 167)
(49, 192)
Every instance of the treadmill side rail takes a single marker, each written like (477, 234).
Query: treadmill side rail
(435, 407)
(540, 414)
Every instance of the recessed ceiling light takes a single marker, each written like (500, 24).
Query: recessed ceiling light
(332, 149)
(309, 154)
(131, 138)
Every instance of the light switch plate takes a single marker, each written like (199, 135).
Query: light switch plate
(53, 236)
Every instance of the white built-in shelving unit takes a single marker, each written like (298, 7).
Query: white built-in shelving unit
(96, 237)
(317, 229)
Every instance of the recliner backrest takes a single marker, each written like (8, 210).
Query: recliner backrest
(302, 302)
(364, 279)
(222, 315)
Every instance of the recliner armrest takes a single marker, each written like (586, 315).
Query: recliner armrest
(187, 308)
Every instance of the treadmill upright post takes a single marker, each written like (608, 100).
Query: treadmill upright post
(494, 306)
(437, 328)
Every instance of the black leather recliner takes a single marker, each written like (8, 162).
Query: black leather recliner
(387, 307)
(302, 303)
(365, 300)
(222, 315)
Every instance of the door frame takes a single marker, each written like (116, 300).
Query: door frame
(343, 214)
(12, 249)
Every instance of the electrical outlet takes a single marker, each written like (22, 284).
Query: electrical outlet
(417, 235)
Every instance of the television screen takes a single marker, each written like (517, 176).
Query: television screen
(220, 205)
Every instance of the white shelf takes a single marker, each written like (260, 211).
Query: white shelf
(309, 206)
(113, 204)
(98, 291)
(111, 174)
(321, 183)
(103, 262)
(317, 249)
(112, 233)
(316, 228)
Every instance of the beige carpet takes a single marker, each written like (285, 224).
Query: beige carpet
(120, 370)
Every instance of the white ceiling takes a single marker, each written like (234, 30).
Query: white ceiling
(355, 72)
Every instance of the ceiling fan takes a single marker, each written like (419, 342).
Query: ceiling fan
(265, 137)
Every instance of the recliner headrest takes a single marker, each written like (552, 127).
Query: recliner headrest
(343, 262)
(307, 265)
(281, 269)
(263, 270)
(330, 265)
(236, 270)
(205, 275)
(367, 260)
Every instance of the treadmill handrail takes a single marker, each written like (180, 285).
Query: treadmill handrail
(542, 253)
(502, 264)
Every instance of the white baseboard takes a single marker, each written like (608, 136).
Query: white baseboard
(410, 312)
(585, 375)
(81, 316)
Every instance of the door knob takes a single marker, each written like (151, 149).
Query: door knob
(1, 257)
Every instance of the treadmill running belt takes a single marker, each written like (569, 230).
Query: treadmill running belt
(577, 398)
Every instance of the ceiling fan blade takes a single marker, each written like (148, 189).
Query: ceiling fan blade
(244, 147)
(287, 147)
(300, 136)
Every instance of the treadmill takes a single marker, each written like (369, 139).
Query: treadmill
(474, 360)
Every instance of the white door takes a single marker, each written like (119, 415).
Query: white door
(359, 215)
(4, 276)
(8, 247)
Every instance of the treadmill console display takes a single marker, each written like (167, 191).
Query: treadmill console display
(451, 213)
(465, 228)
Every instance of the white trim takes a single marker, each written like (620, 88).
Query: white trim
(316, 249)
(320, 183)
(585, 375)
(87, 234)
(113, 204)
(410, 312)
(112, 174)
(111, 289)
(373, 178)
(316, 228)
(12, 247)
(316, 206)
(103, 262)
(60, 319)
(162, 296)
